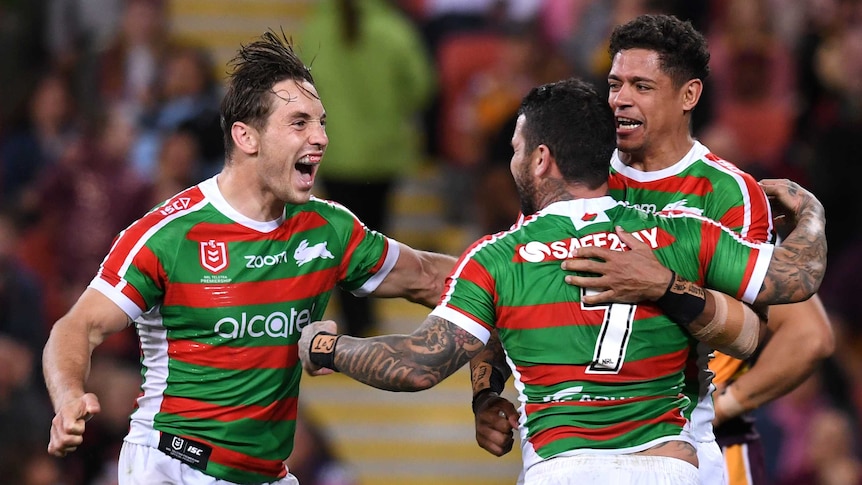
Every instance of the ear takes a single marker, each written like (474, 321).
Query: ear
(245, 137)
(691, 94)
(543, 162)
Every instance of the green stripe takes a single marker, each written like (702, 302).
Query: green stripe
(232, 387)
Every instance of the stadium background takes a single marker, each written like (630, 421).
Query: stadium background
(784, 100)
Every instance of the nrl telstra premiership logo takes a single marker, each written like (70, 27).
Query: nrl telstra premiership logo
(213, 255)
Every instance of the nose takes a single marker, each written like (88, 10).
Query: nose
(318, 135)
(620, 97)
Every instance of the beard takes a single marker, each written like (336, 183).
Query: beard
(526, 192)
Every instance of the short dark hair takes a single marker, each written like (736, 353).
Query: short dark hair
(577, 126)
(257, 67)
(682, 50)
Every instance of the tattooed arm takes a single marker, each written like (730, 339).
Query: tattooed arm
(799, 262)
(412, 362)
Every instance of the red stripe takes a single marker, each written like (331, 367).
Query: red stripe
(133, 234)
(233, 358)
(478, 275)
(560, 314)
(241, 461)
(281, 410)
(698, 186)
(632, 371)
(710, 234)
(233, 232)
(545, 437)
(213, 295)
(357, 234)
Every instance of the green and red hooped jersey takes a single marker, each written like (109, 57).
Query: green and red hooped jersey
(704, 184)
(597, 379)
(218, 302)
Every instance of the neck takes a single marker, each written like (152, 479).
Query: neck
(659, 157)
(556, 190)
(246, 196)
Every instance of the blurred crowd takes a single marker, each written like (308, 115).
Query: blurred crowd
(106, 112)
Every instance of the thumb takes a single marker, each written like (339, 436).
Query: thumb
(90, 406)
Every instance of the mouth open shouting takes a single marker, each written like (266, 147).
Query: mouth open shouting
(307, 167)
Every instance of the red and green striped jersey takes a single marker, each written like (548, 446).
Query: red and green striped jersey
(598, 379)
(704, 184)
(219, 301)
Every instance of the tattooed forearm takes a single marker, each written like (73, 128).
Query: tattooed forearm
(799, 263)
(407, 362)
(492, 356)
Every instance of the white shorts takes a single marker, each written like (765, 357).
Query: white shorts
(712, 468)
(616, 469)
(143, 465)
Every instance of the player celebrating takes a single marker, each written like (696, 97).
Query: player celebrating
(602, 388)
(218, 281)
(656, 79)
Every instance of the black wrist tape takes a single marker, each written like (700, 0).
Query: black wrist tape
(683, 301)
(481, 396)
(321, 351)
(498, 382)
(496, 385)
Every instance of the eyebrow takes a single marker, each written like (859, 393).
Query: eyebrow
(636, 79)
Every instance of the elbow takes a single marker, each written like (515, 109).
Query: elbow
(822, 345)
(416, 382)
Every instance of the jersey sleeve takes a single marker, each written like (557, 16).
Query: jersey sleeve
(729, 263)
(369, 256)
(132, 275)
(469, 296)
(738, 202)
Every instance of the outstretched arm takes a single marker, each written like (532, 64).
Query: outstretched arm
(391, 362)
(418, 276)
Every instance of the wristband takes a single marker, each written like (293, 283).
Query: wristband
(482, 396)
(321, 350)
(683, 301)
(496, 384)
(486, 376)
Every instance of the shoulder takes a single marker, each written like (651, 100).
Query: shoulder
(319, 212)
(724, 173)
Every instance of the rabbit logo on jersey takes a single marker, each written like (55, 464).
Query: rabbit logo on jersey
(305, 253)
(214, 255)
(537, 252)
